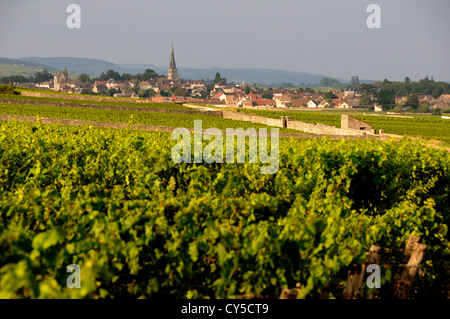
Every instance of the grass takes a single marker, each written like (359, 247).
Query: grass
(7, 70)
(27, 71)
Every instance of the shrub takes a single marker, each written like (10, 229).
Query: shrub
(8, 89)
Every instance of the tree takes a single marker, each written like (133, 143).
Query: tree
(102, 76)
(142, 93)
(179, 92)
(42, 76)
(247, 90)
(217, 78)
(407, 80)
(329, 82)
(149, 74)
(126, 76)
(83, 77)
(14, 79)
(328, 96)
(386, 99)
(267, 96)
(437, 92)
(368, 91)
(8, 89)
(397, 109)
(412, 101)
(354, 82)
(89, 92)
(111, 74)
(365, 101)
(424, 108)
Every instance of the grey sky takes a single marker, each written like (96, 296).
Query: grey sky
(317, 36)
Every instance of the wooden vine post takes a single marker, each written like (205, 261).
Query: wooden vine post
(405, 279)
(355, 279)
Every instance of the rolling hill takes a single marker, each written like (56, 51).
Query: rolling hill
(95, 67)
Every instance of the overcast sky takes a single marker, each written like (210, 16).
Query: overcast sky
(318, 36)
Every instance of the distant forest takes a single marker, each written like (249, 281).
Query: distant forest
(425, 86)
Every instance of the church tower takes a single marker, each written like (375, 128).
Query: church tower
(172, 73)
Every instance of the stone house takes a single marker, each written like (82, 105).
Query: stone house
(60, 80)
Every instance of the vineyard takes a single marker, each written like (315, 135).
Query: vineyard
(431, 127)
(131, 117)
(118, 102)
(302, 116)
(141, 226)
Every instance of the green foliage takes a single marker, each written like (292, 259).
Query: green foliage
(423, 86)
(412, 101)
(15, 79)
(84, 78)
(424, 108)
(124, 116)
(354, 82)
(386, 99)
(328, 96)
(332, 83)
(8, 89)
(111, 74)
(42, 76)
(427, 127)
(117, 102)
(397, 109)
(308, 117)
(368, 91)
(179, 92)
(147, 75)
(139, 225)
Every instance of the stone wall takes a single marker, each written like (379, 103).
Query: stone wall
(296, 125)
(142, 127)
(349, 122)
(322, 129)
(252, 118)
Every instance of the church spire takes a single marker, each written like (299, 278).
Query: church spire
(172, 73)
(172, 64)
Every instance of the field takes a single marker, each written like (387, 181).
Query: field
(27, 71)
(130, 117)
(7, 69)
(140, 225)
(116, 102)
(427, 127)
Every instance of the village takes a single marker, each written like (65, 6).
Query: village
(172, 89)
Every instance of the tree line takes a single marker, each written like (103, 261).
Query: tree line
(44, 75)
(37, 77)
